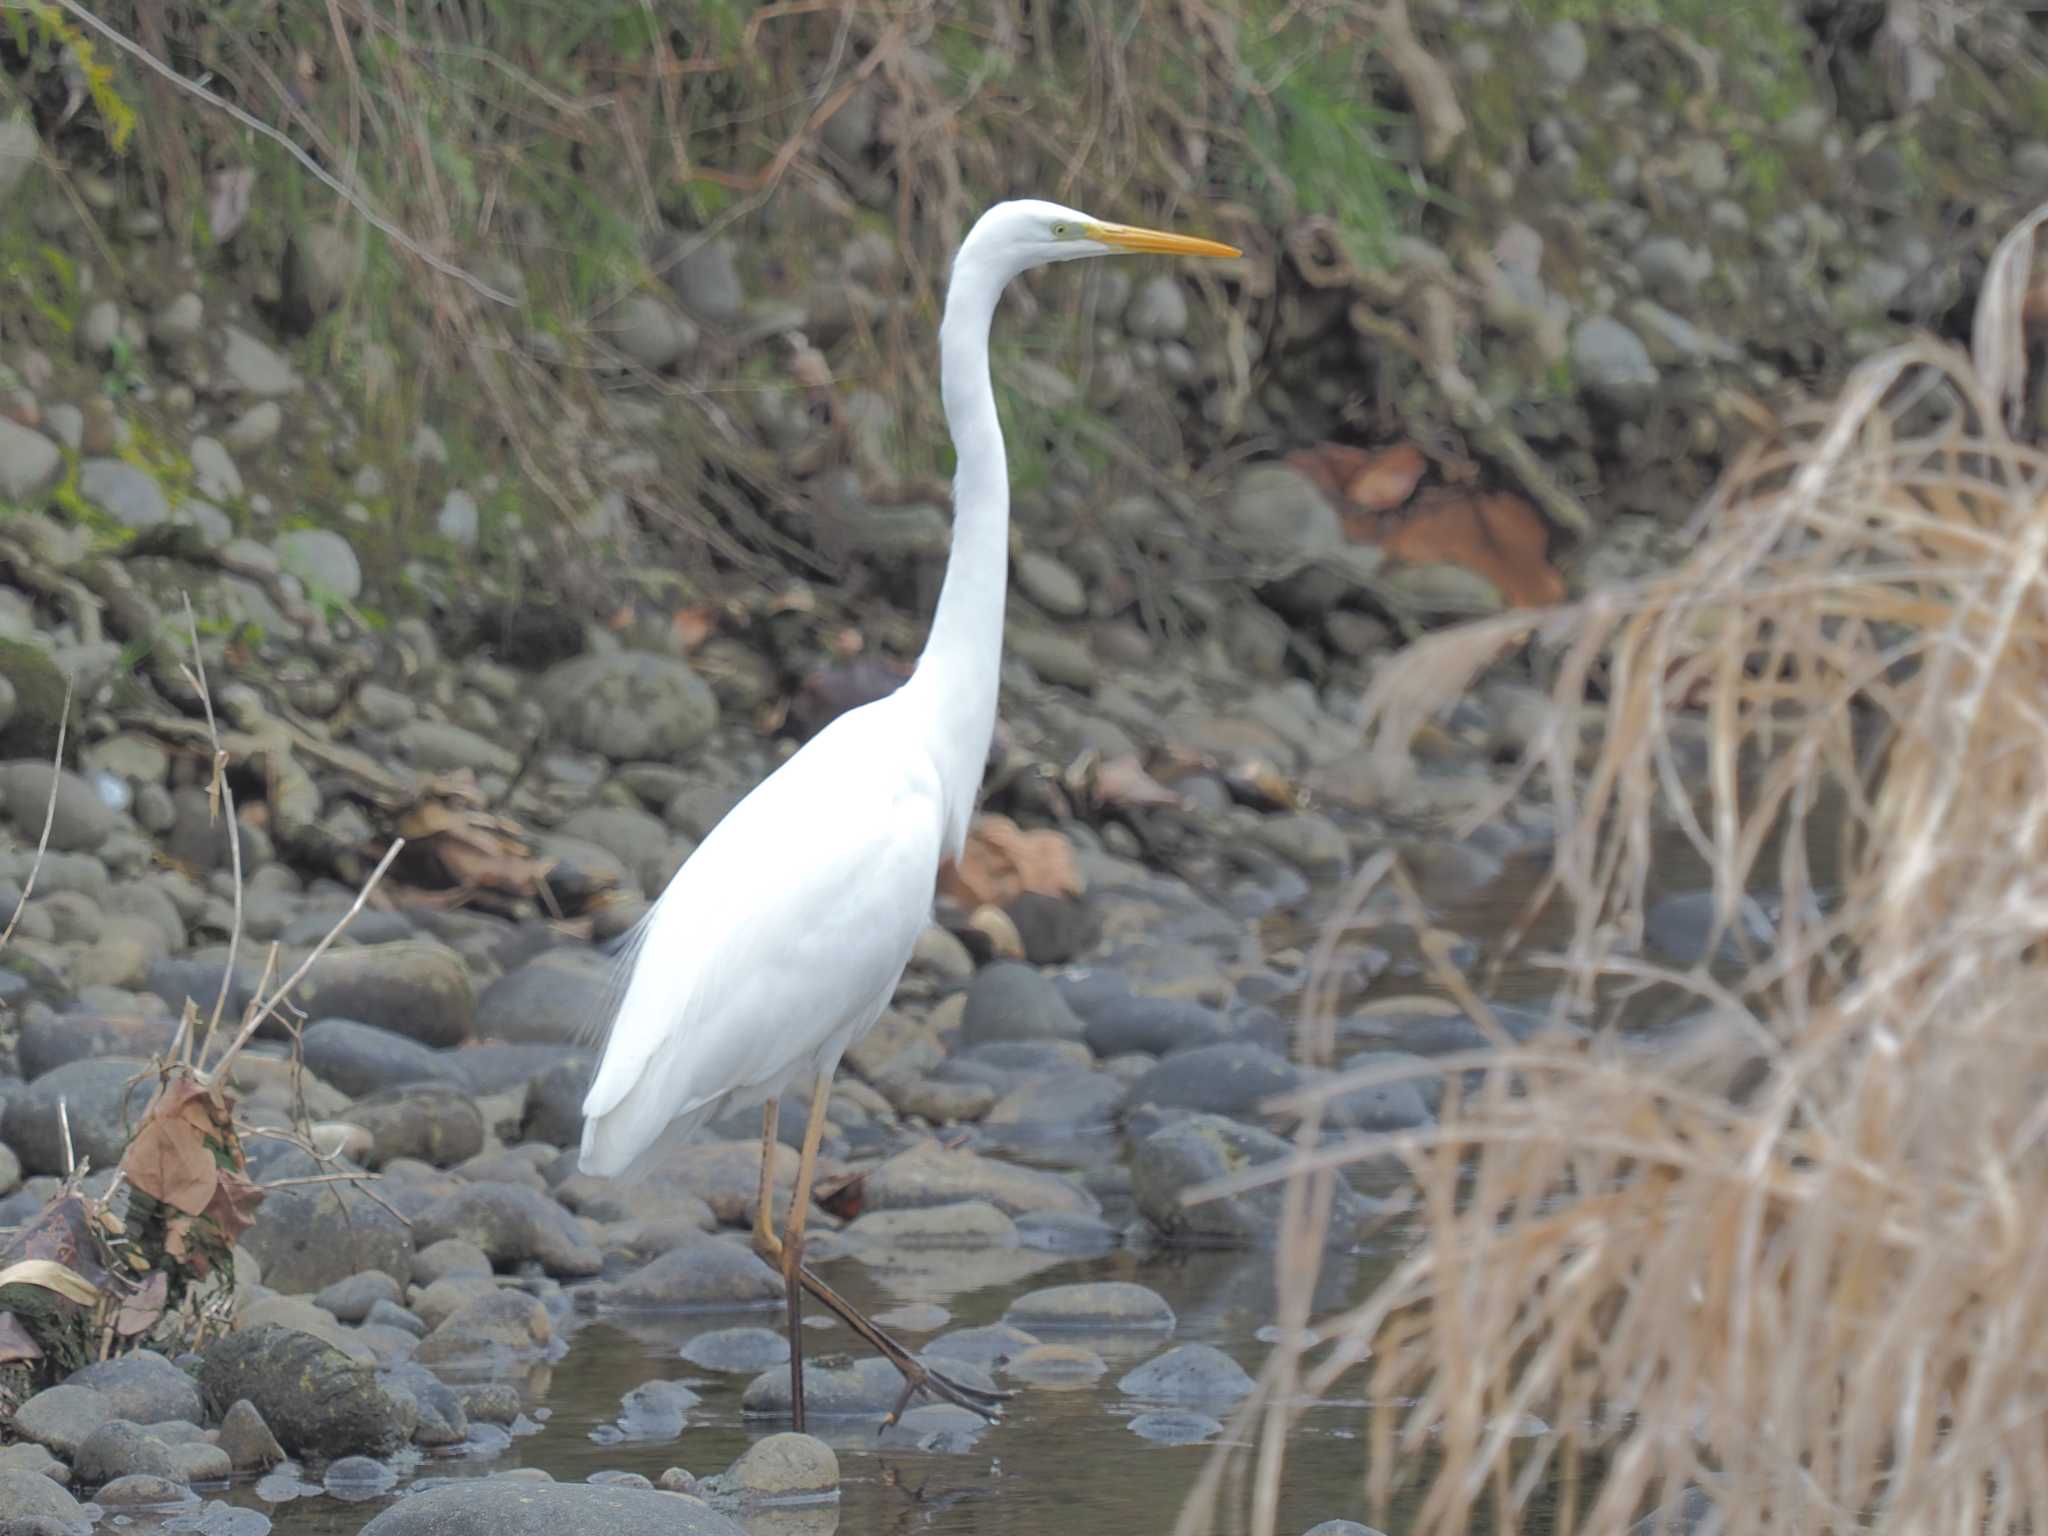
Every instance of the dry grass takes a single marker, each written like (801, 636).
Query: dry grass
(1822, 1301)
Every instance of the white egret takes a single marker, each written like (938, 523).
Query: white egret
(781, 939)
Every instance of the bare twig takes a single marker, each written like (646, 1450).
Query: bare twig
(49, 818)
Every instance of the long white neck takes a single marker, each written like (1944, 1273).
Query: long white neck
(956, 678)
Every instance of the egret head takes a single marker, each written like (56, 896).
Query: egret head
(1016, 236)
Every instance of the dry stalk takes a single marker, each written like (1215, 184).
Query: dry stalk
(1815, 1304)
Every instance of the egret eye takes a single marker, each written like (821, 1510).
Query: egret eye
(1061, 229)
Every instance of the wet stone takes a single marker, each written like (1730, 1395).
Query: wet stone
(25, 1495)
(706, 1272)
(1174, 1426)
(249, 1444)
(1188, 1372)
(144, 1490)
(938, 1429)
(1098, 1304)
(350, 1300)
(737, 1350)
(656, 1410)
(119, 1448)
(868, 1387)
(522, 1506)
(354, 1479)
(143, 1387)
(987, 1346)
(512, 1224)
(1056, 1365)
(1202, 1148)
(61, 1417)
(505, 1325)
(315, 1399)
(1233, 1078)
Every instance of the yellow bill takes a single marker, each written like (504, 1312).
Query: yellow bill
(1158, 242)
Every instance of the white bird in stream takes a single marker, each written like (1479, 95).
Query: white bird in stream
(781, 940)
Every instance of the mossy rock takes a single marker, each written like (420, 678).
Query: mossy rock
(39, 688)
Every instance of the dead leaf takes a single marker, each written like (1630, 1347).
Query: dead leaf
(693, 626)
(64, 1231)
(235, 1200)
(1123, 782)
(49, 1275)
(997, 926)
(1332, 466)
(170, 1161)
(1001, 860)
(140, 1311)
(15, 1342)
(474, 849)
(1388, 478)
(1497, 535)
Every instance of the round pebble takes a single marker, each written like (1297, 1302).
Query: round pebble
(743, 1351)
(1056, 1365)
(1175, 1426)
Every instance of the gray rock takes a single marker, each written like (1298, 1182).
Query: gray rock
(702, 274)
(256, 427)
(324, 560)
(554, 1104)
(19, 150)
(930, 1174)
(351, 1299)
(1671, 339)
(1341, 1528)
(1158, 311)
(130, 496)
(1173, 1426)
(322, 262)
(649, 331)
(1118, 1025)
(30, 1495)
(1203, 1148)
(986, 1347)
(1188, 1373)
(499, 1326)
(1312, 843)
(360, 1059)
(100, 328)
(312, 1235)
(785, 1466)
(179, 320)
(1231, 1078)
(213, 471)
(198, 1462)
(449, 1256)
(864, 1388)
(441, 744)
(353, 1479)
(630, 704)
(967, 1224)
(512, 1224)
(119, 1448)
(460, 520)
(1071, 1098)
(746, 1351)
(254, 368)
(1277, 514)
(29, 462)
(429, 1121)
(420, 989)
(1011, 1001)
(142, 1387)
(1050, 584)
(103, 1098)
(249, 1444)
(1613, 363)
(704, 1272)
(1673, 270)
(1561, 53)
(524, 1506)
(1099, 1305)
(316, 1400)
(61, 1417)
(51, 1040)
(554, 999)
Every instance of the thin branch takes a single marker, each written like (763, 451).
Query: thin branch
(49, 817)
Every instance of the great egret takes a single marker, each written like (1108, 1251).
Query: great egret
(781, 939)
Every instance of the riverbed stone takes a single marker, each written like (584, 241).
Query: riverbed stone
(29, 462)
(249, 1444)
(142, 1387)
(841, 1389)
(986, 1346)
(704, 1272)
(1188, 1372)
(1204, 1148)
(428, 1121)
(351, 1299)
(30, 1495)
(315, 1400)
(784, 1466)
(1232, 1078)
(1096, 1305)
(629, 704)
(61, 1417)
(499, 1326)
(1120, 1021)
(130, 496)
(747, 1351)
(363, 1059)
(554, 999)
(80, 821)
(312, 1235)
(420, 989)
(508, 1505)
(1012, 1001)
(962, 1224)
(513, 1225)
(932, 1174)
(121, 1448)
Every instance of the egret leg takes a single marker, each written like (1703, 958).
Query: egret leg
(788, 1258)
(793, 1244)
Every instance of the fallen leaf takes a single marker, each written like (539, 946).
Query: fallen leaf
(139, 1312)
(1497, 535)
(1001, 860)
(1000, 929)
(170, 1161)
(1123, 781)
(15, 1343)
(235, 1201)
(1388, 478)
(693, 626)
(49, 1275)
(1332, 466)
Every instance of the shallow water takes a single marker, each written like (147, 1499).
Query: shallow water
(1062, 1458)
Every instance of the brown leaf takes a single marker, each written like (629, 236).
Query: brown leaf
(235, 1201)
(1388, 478)
(170, 1160)
(1497, 535)
(49, 1275)
(15, 1342)
(693, 626)
(139, 1312)
(1000, 929)
(1001, 861)
(1332, 466)
(1123, 781)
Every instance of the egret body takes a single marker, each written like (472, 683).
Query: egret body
(782, 938)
